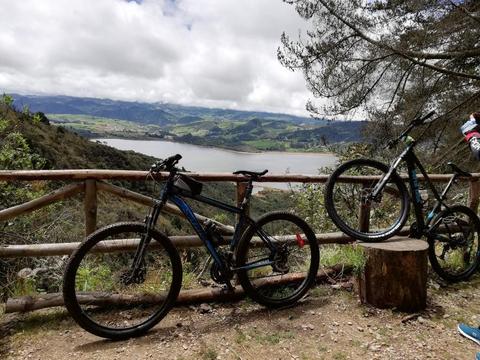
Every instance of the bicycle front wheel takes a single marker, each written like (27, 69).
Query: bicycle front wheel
(454, 249)
(108, 296)
(278, 257)
(352, 207)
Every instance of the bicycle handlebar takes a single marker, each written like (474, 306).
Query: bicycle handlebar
(167, 164)
(416, 122)
(421, 120)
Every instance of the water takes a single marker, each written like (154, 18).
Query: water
(208, 159)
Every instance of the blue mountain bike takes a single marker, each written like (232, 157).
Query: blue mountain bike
(123, 293)
(452, 231)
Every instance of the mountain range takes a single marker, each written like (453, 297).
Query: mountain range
(235, 129)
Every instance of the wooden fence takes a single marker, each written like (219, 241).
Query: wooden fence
(90, 182)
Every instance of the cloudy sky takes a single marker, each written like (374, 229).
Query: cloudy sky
(215, 53)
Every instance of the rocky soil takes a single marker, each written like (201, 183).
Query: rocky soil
(329, 324)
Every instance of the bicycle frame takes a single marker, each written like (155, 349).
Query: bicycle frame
(408, 155)
(190, 216)
(175, 195)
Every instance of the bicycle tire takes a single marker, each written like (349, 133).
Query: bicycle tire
(441, 267)
(79, 311)
(357, 233)
(247, 248)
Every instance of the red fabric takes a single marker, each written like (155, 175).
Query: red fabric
(300, 241)
(471, 134)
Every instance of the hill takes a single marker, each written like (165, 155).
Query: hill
(232, 129)
(147, 113)
(63, 149)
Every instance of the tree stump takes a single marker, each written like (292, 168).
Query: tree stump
(395, 274)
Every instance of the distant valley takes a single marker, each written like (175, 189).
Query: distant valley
(232, 129)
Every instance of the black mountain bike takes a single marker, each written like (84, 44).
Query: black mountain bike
(452, 231)
(124, 293)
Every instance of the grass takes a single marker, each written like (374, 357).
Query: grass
(339, 356)
(41, 321)
(272, 338)
(100, 125)
(90, 278)
(454, 261)
(208, 353)
(347, 255)
(321, 291)
(322, 348)
(24, 287)
(240, 337)
(267, 144)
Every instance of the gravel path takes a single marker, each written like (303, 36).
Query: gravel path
(329, 324)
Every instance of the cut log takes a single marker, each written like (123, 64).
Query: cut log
(395, 274)
(30, 303)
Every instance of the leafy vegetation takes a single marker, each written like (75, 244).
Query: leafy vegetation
(347, 255)
(91, 276)
(15, 153)
(310, 206)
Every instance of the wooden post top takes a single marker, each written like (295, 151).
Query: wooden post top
(397, 243)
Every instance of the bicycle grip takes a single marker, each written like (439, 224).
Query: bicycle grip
(175, 157)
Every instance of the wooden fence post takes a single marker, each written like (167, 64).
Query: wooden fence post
(364, 214)
(241, 190)
(90, 206)
(473, 194)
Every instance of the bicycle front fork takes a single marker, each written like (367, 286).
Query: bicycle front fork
(137, 271)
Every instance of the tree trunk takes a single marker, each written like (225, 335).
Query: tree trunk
(395, 274)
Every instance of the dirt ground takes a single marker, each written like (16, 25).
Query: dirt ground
(329, 324)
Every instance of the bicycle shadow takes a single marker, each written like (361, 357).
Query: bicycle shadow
(210, 324)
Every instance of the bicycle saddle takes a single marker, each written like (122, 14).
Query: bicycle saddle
(250, 173)
(458, 171)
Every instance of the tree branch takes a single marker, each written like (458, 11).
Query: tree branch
(399, 84)
(412, 55)
(466, 12)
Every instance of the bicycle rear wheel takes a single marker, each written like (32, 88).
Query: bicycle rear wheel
(351, 206)
(107, 298)
(279, 256)
(454, 243)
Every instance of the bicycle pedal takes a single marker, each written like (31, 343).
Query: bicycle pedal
(228, 287)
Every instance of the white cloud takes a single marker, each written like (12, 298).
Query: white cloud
(199, 52)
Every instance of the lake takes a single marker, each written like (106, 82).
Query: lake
(208, 159)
